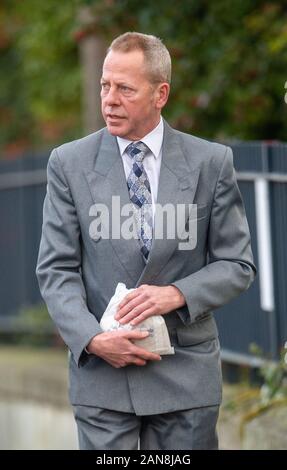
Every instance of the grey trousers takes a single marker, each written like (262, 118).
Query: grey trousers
(101, 429)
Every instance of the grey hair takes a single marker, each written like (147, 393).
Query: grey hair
(156, 55)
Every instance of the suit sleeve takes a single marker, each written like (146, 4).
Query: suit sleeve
(230, 269)
(59, 265)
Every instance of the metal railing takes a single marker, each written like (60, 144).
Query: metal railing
(257, 316)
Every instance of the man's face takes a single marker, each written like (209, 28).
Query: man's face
(131, 105)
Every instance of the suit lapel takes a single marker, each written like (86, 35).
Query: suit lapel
(177, 185)
(106, 181)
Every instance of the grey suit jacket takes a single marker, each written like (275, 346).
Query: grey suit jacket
(78, 274)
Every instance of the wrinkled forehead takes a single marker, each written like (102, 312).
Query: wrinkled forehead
(125, 64)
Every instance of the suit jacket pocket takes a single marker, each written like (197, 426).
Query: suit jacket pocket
(200, 213)
(199, 332)
(196, 220)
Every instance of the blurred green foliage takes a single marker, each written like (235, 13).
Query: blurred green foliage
(274, 375)
(40, 83)
(229, 65)
(31, 327)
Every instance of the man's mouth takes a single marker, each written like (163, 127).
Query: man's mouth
(114, 116)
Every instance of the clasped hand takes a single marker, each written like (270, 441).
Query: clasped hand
(148, 300)
(116, 347)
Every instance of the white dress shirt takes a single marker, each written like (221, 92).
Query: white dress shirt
(152, 160)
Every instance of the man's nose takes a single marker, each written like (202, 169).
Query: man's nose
(112, 97)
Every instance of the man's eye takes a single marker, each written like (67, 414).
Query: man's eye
(105, 86)
(125, 89)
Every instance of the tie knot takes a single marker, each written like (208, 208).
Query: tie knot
(137, 151)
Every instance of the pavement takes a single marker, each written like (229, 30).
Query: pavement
(40, 375)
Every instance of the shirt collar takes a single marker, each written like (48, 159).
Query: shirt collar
(153, 140)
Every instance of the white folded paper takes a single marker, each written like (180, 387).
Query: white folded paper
(158, 340)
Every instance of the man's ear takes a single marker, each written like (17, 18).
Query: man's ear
(162, 94)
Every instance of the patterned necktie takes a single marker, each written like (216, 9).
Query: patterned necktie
(140, 195)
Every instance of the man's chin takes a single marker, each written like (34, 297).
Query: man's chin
(116, 131)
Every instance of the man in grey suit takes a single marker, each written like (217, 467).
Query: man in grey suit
(121, 393)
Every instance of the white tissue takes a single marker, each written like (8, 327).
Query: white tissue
(158, 340)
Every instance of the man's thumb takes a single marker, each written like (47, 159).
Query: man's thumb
(138, 334)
